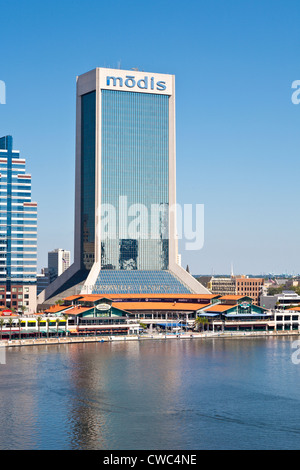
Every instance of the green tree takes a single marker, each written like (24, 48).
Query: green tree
(57, 321)
(20, 325)
(22, 308)
(66, 325)
(39, 319)
(201, 322)
(10, 324)
(48, 323)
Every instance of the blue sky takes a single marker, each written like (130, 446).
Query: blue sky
(237, 130)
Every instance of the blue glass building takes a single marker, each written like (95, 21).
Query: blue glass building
(125, 225)
(18, 231)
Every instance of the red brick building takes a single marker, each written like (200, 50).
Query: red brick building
(250, 287)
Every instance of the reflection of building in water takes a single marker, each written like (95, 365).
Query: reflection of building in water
(125, 160)
(88, 413)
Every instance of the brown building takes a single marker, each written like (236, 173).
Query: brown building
(250, 286)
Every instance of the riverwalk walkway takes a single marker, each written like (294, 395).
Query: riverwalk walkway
(144, 337)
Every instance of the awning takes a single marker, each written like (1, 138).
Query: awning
(169, 325)
(249, 315)
(209, 314)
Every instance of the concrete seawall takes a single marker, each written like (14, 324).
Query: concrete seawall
(147, 337)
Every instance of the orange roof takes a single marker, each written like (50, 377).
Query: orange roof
(220, 308)
(295, 308)
(77, 310)
(234, 297)
(55, 308)
(72, 297)
(157, 306)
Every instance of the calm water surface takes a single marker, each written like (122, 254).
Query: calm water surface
(179, 394)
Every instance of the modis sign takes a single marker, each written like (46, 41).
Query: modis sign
(122, 80)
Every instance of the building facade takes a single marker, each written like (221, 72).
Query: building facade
(44, 279)
(234, 285)
(58, 261)
(222, 285)
(18, 231)
(251, 287)
(125, 222)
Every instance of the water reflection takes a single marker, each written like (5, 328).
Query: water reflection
(193, 394)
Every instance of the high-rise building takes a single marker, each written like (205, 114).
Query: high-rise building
(44, 279)
(125, 196)
(58, 261)
(18, 231)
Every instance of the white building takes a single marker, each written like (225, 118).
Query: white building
(58, 261)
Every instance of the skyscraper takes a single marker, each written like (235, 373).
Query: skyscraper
(58, 261)
(125, 224)
(18, 231)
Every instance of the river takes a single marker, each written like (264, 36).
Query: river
(213, 393)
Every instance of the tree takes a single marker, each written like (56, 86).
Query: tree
(66, 318)
(57, 321)
(39, 319)
(10, 323)
(143, 325)
(48, 322)
(19, 324)
(201, 322)
(22, 308)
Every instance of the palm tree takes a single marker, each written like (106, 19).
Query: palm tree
(48, 322)
(201, 321)
(1, 325)
(57, 325)
(20, 324)
(66, 318)
(22, 308)
(10, 323)
(39, 319)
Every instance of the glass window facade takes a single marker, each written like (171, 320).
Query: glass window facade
(132, 282)
(135, 180)
(88, 140)
(17, 229)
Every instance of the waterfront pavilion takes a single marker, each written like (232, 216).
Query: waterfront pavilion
(237, 313)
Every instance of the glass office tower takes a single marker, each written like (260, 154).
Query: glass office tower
(18, 231)
(125, 225)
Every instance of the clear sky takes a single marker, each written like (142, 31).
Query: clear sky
(238, 134)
